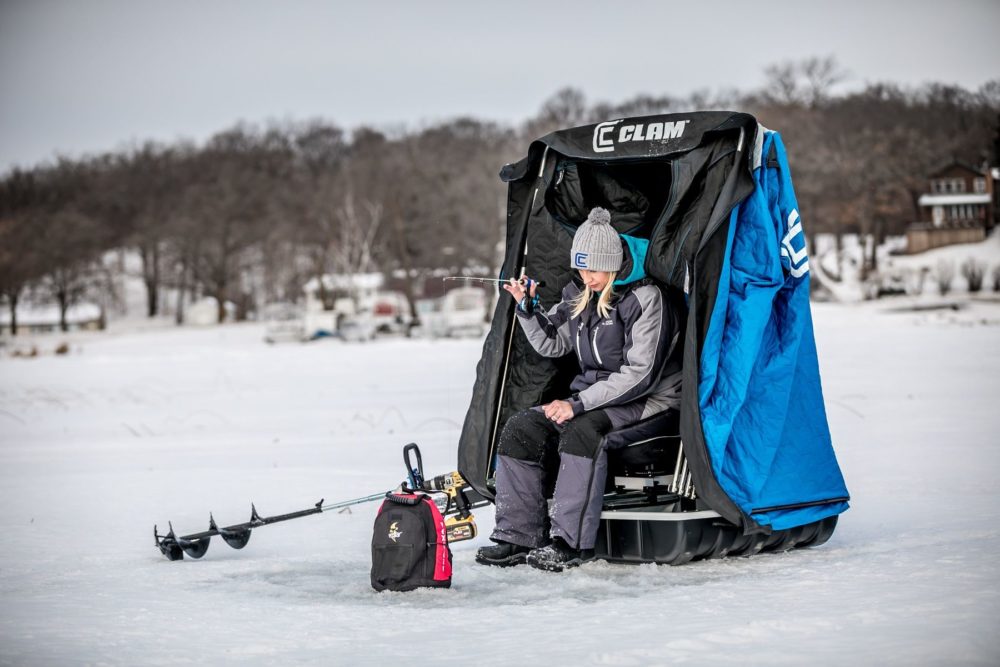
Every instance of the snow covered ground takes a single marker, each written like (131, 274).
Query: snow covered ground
(137, 427)
(917, 274)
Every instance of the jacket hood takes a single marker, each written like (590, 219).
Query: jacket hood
(633, 260)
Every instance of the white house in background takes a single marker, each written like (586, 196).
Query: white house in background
(959, 207)
(42, 319)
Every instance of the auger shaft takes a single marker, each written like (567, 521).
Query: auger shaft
(196, 544)
(460, 499)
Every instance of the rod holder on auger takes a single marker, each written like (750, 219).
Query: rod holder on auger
(414, 473)
(460, 499)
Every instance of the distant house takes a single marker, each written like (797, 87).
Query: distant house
(358, 300)
(959, 206)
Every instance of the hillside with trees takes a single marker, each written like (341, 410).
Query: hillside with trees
(253, 213)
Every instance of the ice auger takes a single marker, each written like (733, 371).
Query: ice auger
(457, 503)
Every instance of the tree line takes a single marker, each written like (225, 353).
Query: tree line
(254, 212)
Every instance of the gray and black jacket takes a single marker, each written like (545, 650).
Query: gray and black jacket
(630, 361)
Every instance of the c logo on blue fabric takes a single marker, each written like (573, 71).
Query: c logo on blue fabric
(794, 261)
(580, 260)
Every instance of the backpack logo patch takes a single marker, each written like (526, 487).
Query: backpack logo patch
(394, 532)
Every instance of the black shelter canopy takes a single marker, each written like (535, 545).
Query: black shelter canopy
(672, 179)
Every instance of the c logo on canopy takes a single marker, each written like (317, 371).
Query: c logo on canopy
(602, 142)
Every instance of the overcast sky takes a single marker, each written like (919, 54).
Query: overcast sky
(94, 75)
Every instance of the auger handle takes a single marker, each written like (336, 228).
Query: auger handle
(415, 474)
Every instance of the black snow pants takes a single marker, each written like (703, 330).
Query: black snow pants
(534, 452)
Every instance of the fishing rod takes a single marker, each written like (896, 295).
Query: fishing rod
(523, 280)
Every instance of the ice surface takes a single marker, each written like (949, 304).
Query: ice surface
(133, 428)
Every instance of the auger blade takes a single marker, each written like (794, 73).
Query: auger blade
(194, 548)
(168, 545)
(237, 538)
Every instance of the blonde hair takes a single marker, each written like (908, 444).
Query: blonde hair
(603, 302)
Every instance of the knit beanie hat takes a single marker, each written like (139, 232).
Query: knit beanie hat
(597, 246)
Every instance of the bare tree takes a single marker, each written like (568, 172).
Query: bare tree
(803, 83)
(232, 200)
(137, 196)
(71, 237)
(567, 107)
(19, 262)
(320, 152)
(354, 250)
(71, 253)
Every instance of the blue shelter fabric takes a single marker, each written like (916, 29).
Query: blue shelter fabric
(760, 395)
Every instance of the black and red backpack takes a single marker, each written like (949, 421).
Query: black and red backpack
(410, 544)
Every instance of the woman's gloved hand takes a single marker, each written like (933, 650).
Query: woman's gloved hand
(523, 291)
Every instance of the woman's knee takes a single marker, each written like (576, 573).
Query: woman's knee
(583, 434)
(525, 436)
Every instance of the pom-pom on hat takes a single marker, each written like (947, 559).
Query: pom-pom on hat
(597, 246)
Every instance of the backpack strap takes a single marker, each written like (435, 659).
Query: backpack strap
(404, 499)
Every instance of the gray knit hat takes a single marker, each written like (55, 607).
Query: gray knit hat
(597, 246)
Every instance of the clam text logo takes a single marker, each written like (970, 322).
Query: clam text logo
(607, 134)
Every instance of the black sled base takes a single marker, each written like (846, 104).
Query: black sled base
(651, 535)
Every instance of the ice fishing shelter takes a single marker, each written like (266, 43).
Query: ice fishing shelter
(712, 194)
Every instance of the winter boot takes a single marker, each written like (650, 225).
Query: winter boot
(558, 556)
(502, 554)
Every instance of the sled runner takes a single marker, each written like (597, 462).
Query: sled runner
(705, 204)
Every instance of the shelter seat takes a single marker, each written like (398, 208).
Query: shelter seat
(648, 448)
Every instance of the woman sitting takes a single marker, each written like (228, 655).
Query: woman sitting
(626, 338)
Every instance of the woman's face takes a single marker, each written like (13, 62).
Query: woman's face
(595, 280)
